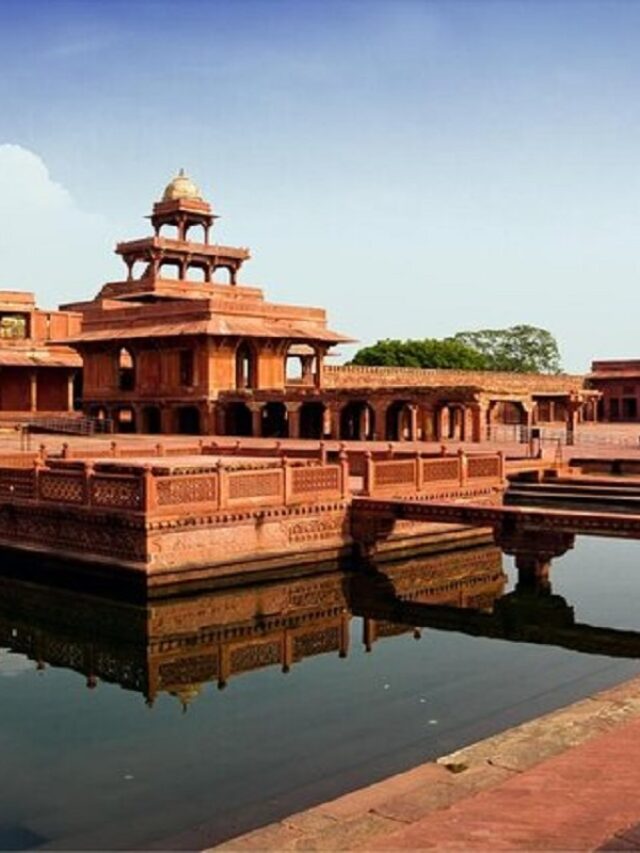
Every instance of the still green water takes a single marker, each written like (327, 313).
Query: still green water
(102, 768)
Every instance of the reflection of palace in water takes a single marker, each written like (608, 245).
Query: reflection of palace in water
(176, 645)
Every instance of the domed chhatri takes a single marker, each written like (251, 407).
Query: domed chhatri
(181, 187)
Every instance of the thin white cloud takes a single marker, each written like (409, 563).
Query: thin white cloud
(48, 244)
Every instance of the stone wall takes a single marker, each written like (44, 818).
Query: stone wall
(352, 376)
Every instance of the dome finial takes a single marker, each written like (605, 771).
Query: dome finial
(181, 187)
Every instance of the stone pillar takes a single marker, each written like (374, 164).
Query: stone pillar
(137, 417)
(458, 423)
(468, 425)
(293, 418)
(319, 379)
(256, 410)
(33, 391)
(573, 407)
(364, 424)
(331, 421)
(379, 420)
(528, 412)
(70, 378)
(533, 573)
(413, 422)
(208, 419)
(443, 423)
(166, 420)
(427, 419)
(306, 365)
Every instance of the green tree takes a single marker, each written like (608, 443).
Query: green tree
(518, 349)
(447, 353)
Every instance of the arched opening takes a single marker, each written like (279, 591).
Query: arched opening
(312, 420)
(300, 365)
(188, 418)
(245, 366)
(138, 269)
(223, 275)
(169, 269)
(398, 421)
(168, 230)
(98, 412)
(126, 370)
(196, 232)
(77, 391)
(238, 420)
(357, 422)
(151, 420)
(126, 420)
(196, 272)
(508, 412)
(274, 421)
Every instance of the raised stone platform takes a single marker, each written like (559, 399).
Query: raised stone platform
(198, 513)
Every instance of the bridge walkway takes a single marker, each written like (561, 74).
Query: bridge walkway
(592, 523)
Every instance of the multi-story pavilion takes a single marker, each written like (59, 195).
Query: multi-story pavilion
(174, 348)
(162, 348)
(37, 377)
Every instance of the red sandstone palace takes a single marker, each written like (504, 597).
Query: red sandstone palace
(37, 376)
(182, 346)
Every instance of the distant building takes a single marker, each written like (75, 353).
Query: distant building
(37, 376)
(618, 383)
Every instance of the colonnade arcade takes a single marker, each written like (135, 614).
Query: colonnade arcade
(348, 418)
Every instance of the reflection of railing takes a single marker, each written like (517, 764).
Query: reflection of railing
(417, 475)
(137, 489)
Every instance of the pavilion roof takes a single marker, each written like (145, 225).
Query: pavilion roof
(216, 326)
(62, 357)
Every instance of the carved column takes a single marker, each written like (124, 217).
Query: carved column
(166, 420)
(256, 410)
(573, 408)
(413, 422)
(319, 378)
(427, 419)
(33, 391)
(331, 421)
(443, 423)
(293, 418)
(306, 365)
(70, 378)
(379, 420)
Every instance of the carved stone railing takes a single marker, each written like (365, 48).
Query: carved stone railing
(422, 476)
(136, 489)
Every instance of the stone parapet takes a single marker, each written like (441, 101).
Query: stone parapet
(355, 376)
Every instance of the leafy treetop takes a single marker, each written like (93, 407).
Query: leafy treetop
(519, 349)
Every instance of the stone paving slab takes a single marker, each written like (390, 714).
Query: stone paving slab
(569, 780)
(573, 801)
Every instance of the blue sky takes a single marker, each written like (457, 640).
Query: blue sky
(415, 167)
